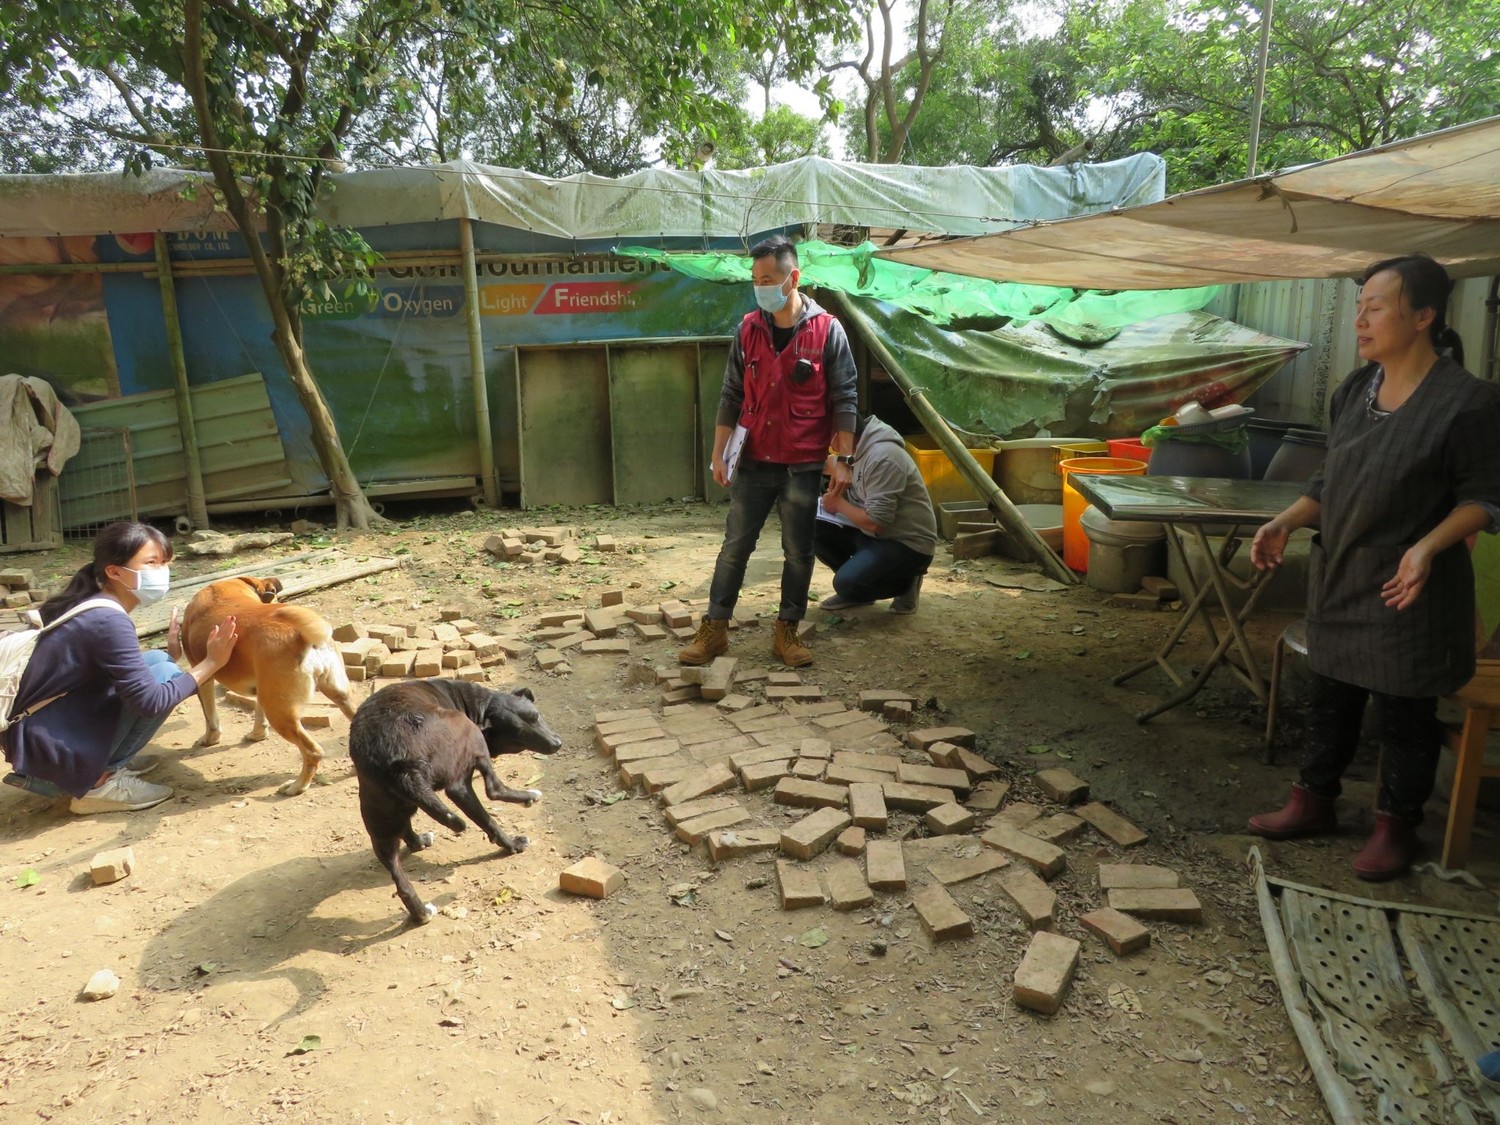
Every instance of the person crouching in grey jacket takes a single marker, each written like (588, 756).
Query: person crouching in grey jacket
(879, 536)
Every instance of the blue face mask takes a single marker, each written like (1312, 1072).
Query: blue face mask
(771, 298)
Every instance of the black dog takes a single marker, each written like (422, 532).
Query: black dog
(411, 740)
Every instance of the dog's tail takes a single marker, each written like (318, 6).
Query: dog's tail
(325, 665)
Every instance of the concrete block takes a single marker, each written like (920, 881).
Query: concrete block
(1046, 858)
(1045, 972)
(1062, 786)
(885, 866)
(941, 916)
(111, 866)
(1111, 824)
(948, 820)
(1165, 904)
(1120, 932)
(591, 877)
(810, 836)
(847, 889)
(867, 806)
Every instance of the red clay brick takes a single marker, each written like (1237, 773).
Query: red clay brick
(1033, 898)
(798, 885)
(1043, 977)
(1167, 904)
(1062, 786)
(949, 820)
(1111, 824)
(885, 867)
(941, 916)
(591, 877)
(810, 836)
(1135, 876)
(1121, 932)
(867, 806)
(809, 794)
(1047, 859)
(847, 889)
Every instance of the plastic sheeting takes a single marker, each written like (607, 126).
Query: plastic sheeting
(948, 299)
(658, 203)
(1018, 381)
(1438, 193)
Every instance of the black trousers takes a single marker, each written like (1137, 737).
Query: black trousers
(1410, 740)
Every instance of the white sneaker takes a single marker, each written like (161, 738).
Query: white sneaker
(140, 765)
(120, 792)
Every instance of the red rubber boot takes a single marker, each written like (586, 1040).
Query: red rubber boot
(1389, 851)
(1306, 814)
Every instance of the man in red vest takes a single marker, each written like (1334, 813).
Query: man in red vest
(790, 384)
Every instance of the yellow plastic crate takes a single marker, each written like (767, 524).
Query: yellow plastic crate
(945, 484)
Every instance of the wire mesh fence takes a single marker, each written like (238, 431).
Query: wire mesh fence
(98, 484)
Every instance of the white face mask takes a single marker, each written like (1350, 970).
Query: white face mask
(151, 583)
(771, 298)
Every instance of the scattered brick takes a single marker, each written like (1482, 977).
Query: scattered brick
(111, 865)
(798, 885)
(673, 770)
(1033, 898)
(1134, 601)
(562, 644)
(811, 836)
(711, 780)
(941, 916)
(847, 889)
(732, 703)
(887, 764)
(763, 775)
(1159, 588)
(783, 679)
(809, 769)
(398, 664)
(867, 806)
(701, 807)
(685, 694)
(898, 712)
(610, 743)
(1055, 829)
(885, 867)
(840, 774)
(602, 622)
(798, 693)
(605, 543)
(627, 713)
(1046, 858)
(932, 775)
(959, 736)
(1045, 972)
(736, 842)
(1111, 824)
(1166, 904)
(459, 658)
(550, 660)
(876, 698)
(591, 877)
(950, 871)
(815, 710)
(643, 616)
(851, 841)
(719, 677)
(316, 721)
(650, 632)
(675, 615)
(694, 830)
(347, 633)
(428, 664)
(988, 796)
(482, 675)
(948, 820)
(666, 769)
(739, 759)
(915, 798)
(815, 748)
(809, 794)
(1062, 786)
(1135, 876)
(448, 636)
(611, 597)
(1019, 814)
(1121, 932)
(613, 645)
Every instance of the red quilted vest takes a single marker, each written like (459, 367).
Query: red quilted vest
(787, 422)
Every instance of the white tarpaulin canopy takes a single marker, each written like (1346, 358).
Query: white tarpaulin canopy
(1438, 193)
(647, 205)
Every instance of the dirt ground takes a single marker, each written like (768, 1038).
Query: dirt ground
(255, 920)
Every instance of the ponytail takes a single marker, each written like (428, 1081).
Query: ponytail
(1445, 341)
(82, 586)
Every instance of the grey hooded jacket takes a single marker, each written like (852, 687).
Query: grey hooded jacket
(888, 485)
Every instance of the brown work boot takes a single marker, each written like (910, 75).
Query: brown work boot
(1390, 849)
(789, 647)
(1306, 814)
(712, 640)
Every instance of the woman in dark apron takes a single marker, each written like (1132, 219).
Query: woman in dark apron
(1413, 470)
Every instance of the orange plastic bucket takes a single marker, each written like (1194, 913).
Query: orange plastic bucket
(1131, 449)
(1075, 542)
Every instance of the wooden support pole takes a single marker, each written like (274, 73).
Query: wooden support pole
(483, 436)
(196, 502)
(994, 496)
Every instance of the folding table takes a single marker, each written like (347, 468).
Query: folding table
(1187, 507)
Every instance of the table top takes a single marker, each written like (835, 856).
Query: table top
(1186, 499)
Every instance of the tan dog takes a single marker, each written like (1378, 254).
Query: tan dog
(284, 653)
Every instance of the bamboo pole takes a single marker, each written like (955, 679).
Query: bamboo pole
(994, 496)
(483, 436)
(197, 505)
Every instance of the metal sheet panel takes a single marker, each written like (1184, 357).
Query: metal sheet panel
(653, 397)
(564, 426)
(239, 445)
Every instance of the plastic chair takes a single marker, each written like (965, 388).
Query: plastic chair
(1293, 637)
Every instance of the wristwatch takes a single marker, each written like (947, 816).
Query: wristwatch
(844, 458)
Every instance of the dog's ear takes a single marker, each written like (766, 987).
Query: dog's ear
(524, 693)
